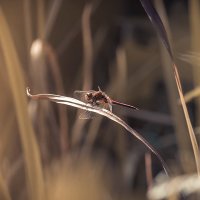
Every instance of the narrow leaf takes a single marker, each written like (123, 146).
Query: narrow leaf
(157, 22)
(101, 111)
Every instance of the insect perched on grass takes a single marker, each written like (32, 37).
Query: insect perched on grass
(99, 99)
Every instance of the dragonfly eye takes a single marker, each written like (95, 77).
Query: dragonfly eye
(89, 95)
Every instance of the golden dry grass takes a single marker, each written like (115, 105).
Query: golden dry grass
(46, 152)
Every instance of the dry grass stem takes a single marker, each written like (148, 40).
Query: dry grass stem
(87, 47)
(87, 67)
(194, 15)
(101, 111)
(4, 192)
(179, 121)
(54, 66)
(40, 19)
(29, 144)
(148, 168)
(190, 128)
(115, 89)
(52, 15)
(28, 22)
(189, 96)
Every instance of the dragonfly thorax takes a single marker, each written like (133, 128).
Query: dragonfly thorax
(96, 98)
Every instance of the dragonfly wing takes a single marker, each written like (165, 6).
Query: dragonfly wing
(84, 114)
(107, 106)
(83, 91)
(110, 107)
(80, 94)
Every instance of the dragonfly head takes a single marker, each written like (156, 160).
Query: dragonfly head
(89, 96)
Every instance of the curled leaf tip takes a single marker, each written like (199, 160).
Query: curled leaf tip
(28, 92)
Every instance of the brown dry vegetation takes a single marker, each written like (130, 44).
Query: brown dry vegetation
(46, 151)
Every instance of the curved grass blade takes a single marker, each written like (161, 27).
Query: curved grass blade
(157, 22)
(101, 111)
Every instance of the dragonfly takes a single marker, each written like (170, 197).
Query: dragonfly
(98, 98)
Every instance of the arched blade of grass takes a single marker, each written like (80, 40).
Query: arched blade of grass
(157, 22)
(81, 105)
(14, 73)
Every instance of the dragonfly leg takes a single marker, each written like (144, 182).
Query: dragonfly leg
(110, 107)
(99, 89)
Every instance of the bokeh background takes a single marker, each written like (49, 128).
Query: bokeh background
(57, 46)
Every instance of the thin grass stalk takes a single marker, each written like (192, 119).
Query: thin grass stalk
(52, 15)
(189, 96)
(157, 22)
(28, 23)
(149, 116)
(43, 113)
(40, 19)
(73, 32)
(33, 166)
(55, 68)
(179, 121)
(69, 38)
(120, 91)
(190, 128)
(146, 69)
(122, 75)
(87, 67)
(14, 169)
(194, 15)
(4, 192)
(148, 168)
(191, 58)
(113, 88)
(87, 47)
(101, 111)
(92, 134)
(6, 135)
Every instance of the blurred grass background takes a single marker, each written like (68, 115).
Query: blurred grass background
(56, 46)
